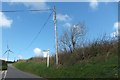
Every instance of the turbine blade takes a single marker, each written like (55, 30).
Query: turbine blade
(7, 47)
(11, 51)
(5, 52)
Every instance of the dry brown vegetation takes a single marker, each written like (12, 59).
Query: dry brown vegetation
(103, 47)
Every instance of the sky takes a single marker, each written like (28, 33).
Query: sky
(17, 29)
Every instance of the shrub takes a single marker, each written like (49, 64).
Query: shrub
(3, 65)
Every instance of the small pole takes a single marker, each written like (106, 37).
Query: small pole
(48, 58)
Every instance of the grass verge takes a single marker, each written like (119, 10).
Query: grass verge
(92, 68)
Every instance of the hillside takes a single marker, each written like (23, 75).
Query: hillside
(92, 68)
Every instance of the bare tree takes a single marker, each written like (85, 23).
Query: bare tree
(71, 38)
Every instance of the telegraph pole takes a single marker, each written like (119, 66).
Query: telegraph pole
(56, 36)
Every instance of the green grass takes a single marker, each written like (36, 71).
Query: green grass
(92, 68)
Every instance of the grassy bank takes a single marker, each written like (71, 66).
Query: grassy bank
(90, 68)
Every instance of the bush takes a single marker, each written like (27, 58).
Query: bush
(104, 46)
(3, 65)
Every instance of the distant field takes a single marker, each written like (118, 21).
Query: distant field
(92, 68)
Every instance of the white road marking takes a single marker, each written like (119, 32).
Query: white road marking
(5, 72)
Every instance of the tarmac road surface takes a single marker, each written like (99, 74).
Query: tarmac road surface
(13, 73)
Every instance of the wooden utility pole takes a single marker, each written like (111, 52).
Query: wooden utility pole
(56, 36)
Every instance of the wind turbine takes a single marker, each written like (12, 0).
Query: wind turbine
(8, 51)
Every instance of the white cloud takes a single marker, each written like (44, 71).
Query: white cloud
(62, 17)
(93, 4)
(117, 25)
(67, 25)
(36, 5)
(20, 57)
(44, 54)
(5, 21)
(116, 33)
(24, 0)
(65, 19)
(3, 59)
(38, 52)
(32, 4)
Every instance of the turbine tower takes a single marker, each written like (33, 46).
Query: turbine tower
(8, 51)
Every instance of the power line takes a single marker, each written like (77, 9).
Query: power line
(33, 11)
(25, 10)
(40, 30)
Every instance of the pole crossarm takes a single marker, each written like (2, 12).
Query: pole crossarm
(33, 10)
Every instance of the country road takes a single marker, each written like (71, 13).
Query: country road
(13, 73)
